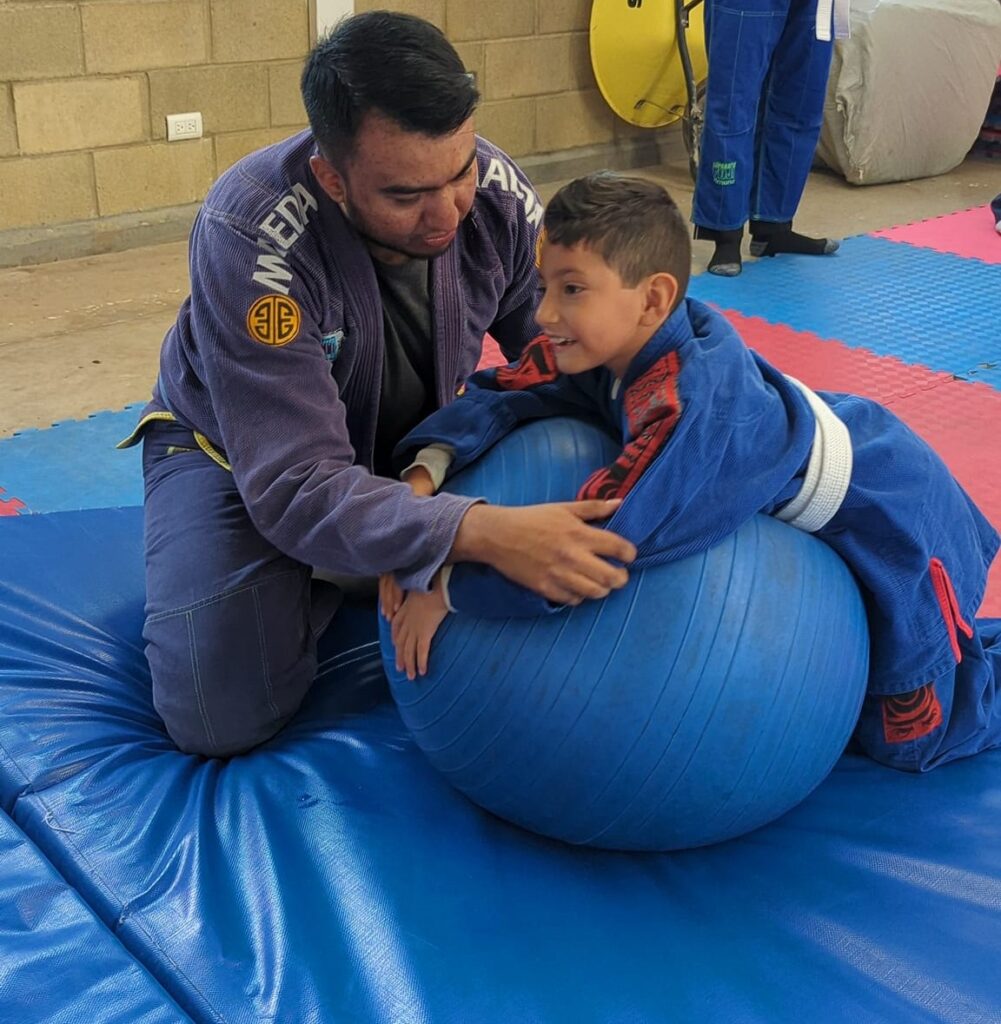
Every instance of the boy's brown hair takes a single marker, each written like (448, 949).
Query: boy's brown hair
(632, 223)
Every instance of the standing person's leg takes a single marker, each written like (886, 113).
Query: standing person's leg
(741, 37)
(791, 119)
(231, 622)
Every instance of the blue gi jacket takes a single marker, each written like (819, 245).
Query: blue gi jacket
(276, 358)
(739, 438)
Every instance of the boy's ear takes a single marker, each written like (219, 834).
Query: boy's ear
(330, 179)
(661, 297)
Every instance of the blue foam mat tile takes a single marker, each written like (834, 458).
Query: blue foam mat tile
(73, 464)
(332, 876)
(934, 309)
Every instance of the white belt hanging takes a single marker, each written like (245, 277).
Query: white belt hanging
(836, 13)
(827, 473)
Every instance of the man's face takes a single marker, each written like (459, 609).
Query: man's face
(404, 192)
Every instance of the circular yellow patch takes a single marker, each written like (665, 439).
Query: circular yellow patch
(274, 320)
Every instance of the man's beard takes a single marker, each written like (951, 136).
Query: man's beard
(360, 228)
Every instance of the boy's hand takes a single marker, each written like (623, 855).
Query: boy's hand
(414, 627)
(420, 481)
(390, 596)
(548, 548)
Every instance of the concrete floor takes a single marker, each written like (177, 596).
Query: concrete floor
(83, 335)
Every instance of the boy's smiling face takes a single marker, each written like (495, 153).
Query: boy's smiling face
(592, 318)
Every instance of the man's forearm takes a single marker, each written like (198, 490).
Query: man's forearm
(473, 538)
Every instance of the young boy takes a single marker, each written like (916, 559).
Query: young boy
(712, 434)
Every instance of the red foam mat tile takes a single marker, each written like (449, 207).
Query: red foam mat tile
(492, 355)
(957, 418)
(968, 233)
(10, 506)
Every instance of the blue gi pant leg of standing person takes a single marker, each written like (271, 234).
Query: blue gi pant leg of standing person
(791, 116)
(231, 622)
(764, 109)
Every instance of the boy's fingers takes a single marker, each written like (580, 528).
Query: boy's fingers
(411, 659)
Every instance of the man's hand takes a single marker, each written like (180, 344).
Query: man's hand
(548, 548)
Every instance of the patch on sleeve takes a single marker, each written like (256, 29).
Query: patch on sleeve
(536, 366)
(909, 716)
(274, 320)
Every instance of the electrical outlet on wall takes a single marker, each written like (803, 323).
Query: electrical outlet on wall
(184, 126)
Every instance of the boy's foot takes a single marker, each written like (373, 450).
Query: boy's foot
(725, 260)
(768, 239)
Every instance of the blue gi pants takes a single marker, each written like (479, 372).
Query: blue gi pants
(231, 622)
(965, 704)
(764, 109)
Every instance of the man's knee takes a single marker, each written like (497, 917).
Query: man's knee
(230, 671)
(191, 734)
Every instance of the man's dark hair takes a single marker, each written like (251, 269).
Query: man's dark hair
(632, 223)
(394, 64)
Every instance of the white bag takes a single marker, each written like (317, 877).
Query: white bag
(908, 91)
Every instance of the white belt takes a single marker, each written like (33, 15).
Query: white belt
(834, 12)
(827, 473)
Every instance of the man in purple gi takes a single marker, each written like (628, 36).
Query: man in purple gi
(712, 434)
(341, 285)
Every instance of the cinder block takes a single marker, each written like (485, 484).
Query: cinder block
(528, 67)
(259, 29)
(625, 130)
(473, 19)
(81, 113)
(509, 124)
(286, 96)
(153, 176)
(572, 119)
(8, 131)
(39, 41)
(35, 191)
(138, 36)
(472, 55)
(564, 16)
(233, 146)
(429, 10)
(229, 98)
(581, 72)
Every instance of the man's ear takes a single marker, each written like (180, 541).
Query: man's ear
(331, 180)
(661, 297)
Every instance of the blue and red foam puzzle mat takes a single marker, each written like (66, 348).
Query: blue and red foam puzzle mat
(73, 464)
(970, 233)
(332, 876)
(934, 309)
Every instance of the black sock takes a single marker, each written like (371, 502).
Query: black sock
(725, 260)
(768, 239)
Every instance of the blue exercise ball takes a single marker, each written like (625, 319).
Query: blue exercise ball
(703, 700)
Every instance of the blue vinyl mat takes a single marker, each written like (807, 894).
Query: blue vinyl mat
(925, 307)
(58, 963)
(331, 876)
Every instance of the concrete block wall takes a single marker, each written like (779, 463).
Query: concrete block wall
(85, 86)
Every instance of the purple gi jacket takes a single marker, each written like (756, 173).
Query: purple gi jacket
(277, 355)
